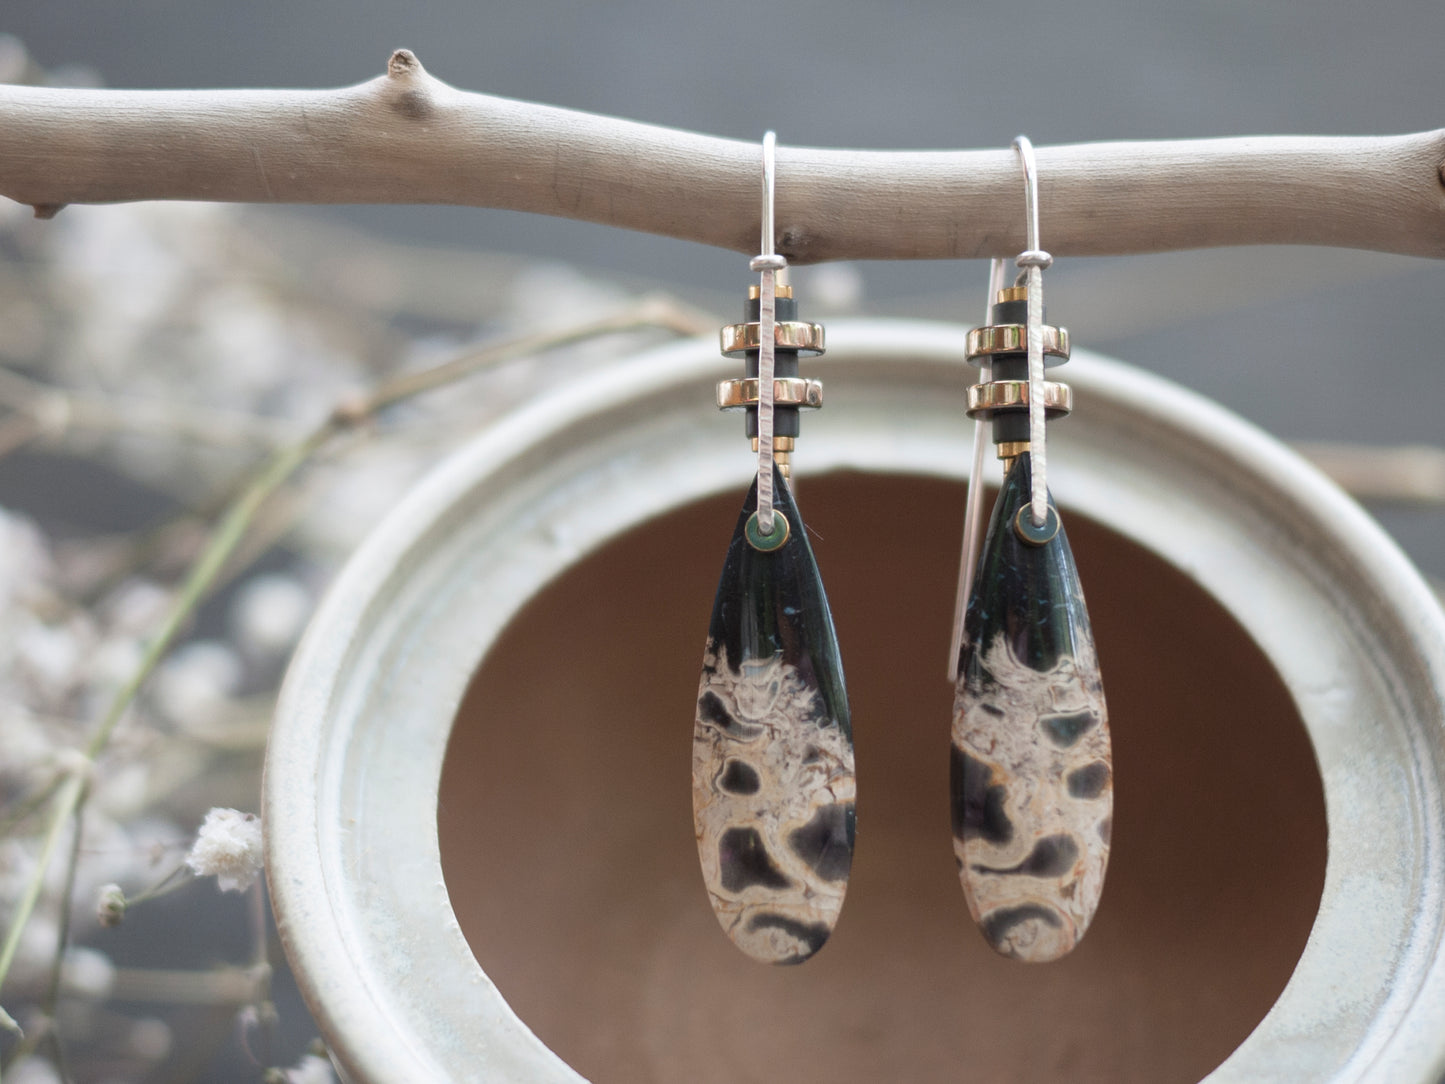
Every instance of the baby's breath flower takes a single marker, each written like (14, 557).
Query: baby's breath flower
(311, 1069)
(269, 612)
(228, 846)
(193, 686)
(110, 909)
(33, 1071)
(87, 972)
(150, 1039)
(28, 564)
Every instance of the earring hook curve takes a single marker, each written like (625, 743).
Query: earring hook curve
(1032, 261)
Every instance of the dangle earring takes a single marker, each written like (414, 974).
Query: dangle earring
(772, 753)
(1031, 771)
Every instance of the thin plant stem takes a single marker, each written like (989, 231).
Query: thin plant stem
(261, 970)
(234, 523)
(151, 545)
(51, 1005)
(660, 312)
(23, 808)
(67, 801)
(228, 535)
(283, 463)
(176, 878)
(229, 986)
(57, 412)
(260, 931)
(654, 311)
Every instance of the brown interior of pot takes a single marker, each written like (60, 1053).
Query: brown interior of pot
(567, 840)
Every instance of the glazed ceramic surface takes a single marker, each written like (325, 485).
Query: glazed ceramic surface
(361, 732)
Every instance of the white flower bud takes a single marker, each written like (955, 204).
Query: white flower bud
(27, 565)
(137, 607)
(194, 684)
(311, 1069)
(51, 657)
(115, 661)
(35, 954)
(269, 613)
(228, 846)
(150, 1039)
(33, 1071)
(86, 972)
(110, 909)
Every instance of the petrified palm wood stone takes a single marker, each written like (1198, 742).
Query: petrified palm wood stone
(1032, 777)
(772, 753)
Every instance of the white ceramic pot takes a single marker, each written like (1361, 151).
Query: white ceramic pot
(357, 752)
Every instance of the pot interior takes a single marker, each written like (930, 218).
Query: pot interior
(566, 824)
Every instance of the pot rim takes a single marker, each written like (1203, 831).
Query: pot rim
(355, 755)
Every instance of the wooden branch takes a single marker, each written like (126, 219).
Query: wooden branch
(406, 137)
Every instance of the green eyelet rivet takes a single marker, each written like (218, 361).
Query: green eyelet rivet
(1036, 536)
(767, 543)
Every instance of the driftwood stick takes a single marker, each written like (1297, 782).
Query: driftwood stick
(406, 137)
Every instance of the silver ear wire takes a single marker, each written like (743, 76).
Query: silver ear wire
(1032, 262)
(767, 263)
(973, 506)
(1039, 396)
(770, 346)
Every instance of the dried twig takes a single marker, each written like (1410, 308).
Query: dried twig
(69, 788)
(1406, 474)
(406, 137)
(67, 800)
(57, 412)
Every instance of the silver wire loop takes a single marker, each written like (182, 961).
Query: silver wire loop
(770, 169)
(1025, 149)
(1033, 260)
(767, 263)
(973, 506)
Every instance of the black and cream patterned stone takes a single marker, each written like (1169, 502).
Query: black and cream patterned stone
(773, 794)
(1032, 776)
(772, 762)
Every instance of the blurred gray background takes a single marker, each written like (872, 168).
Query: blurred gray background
(1312, 344)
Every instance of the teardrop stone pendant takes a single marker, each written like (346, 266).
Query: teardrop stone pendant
(1032, 778)
(772, 753)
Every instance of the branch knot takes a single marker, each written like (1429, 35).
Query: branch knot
(403, 63)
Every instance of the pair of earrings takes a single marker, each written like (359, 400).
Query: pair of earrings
(1031, 774)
